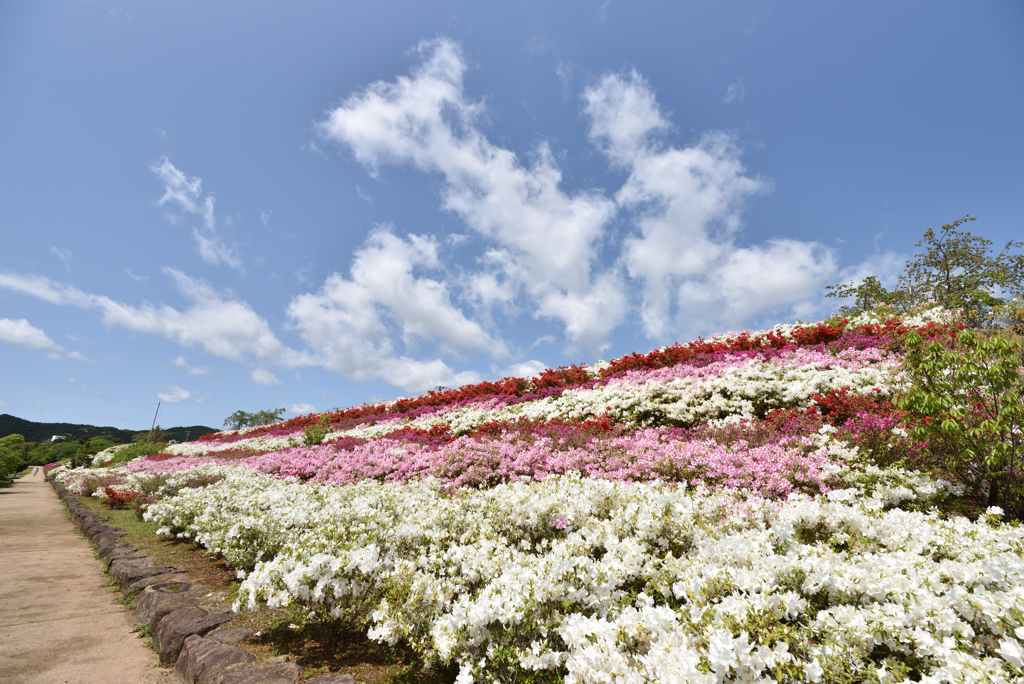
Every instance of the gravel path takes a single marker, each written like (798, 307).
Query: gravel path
(58, 623)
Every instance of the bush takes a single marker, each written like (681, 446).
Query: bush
(315, 434)
(968, 394)
(133, 451)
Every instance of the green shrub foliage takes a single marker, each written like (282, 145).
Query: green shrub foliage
(968, 392)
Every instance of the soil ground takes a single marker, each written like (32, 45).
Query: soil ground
(58, 622)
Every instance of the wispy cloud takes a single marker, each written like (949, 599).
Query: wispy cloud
(20, 333)
(179, 395)
(181, 363)
(186, 193)
(218, 323)
(735, 92)
(64, 255)
(23, 334)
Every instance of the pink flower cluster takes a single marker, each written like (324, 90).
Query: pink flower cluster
(652, 454)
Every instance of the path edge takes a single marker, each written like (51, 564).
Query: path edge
(185, 621)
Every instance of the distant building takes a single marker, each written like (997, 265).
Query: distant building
(56, 438)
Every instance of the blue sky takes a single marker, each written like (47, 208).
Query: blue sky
(228, 205)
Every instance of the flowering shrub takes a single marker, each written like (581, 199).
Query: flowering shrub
(732, 509)
(120, 497)
(587, 579)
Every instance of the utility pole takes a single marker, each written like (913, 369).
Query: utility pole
(154, 422)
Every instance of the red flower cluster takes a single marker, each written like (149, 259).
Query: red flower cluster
(833, 330)
(123, 499)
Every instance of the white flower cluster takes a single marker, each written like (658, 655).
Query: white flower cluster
(107, 455)
(90, 481)
(932, 313)
(599, 581)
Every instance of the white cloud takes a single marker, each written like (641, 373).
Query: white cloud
(687, 205)
(220, 324)
(547, 237)
(21, 333)
(181, 363)
(345, 324)
(779, 276)
(735, 92)
(178, 395)
(421, 306)
(186, 192)
(624, 116)
(523, 369)
(297, 409)
(62, 254)
(265, 216)
(886, 266)
(264, 377)
(349, 322)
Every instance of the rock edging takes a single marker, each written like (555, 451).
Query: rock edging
(187, 622)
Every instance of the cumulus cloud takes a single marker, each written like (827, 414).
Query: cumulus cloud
(186, 193)
(546, 238)
(687, 206)
(178, 395)
(543, 249)
(350, 322)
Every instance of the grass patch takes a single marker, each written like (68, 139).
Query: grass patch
(318, 648)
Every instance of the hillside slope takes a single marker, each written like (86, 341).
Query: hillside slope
(42, 432)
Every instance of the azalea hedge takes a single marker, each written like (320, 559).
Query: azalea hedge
(744, 508)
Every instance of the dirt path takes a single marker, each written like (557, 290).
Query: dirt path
(58, 623)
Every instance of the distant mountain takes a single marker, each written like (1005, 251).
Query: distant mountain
(42, 432)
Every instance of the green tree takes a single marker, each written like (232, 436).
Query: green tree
(969, 393)
(11, 453)
(242, 419)
(13, 442)
(957, 269)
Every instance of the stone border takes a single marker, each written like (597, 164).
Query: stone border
(188, 623)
